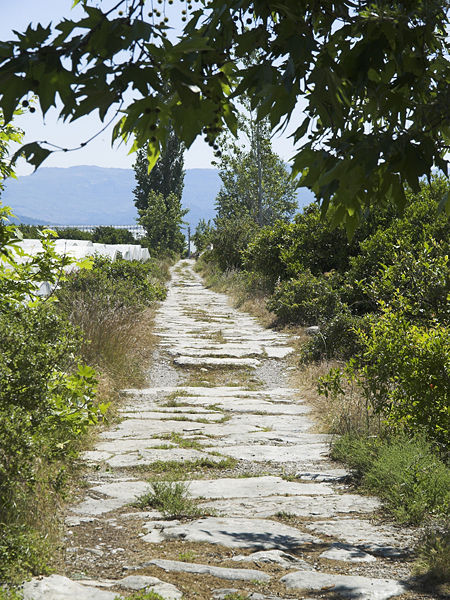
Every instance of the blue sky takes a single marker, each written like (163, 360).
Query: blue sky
(15, 16)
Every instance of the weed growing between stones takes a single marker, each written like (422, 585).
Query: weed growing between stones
(181, 441)
(171, 498)
(174, 469)
(141, 596)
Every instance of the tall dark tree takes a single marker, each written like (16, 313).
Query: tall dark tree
(166, 177)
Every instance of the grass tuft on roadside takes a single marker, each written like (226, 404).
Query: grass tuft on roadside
(405, 472)
(171, 498)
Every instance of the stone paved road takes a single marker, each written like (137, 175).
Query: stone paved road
(276, 518)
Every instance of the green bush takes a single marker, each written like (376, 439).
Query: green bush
(46, 402)
(230, 238)
(114, 283)
(305, 300)
(404, 471)
(338, 337)
(404, 369)
(421, 277)
(112, 235)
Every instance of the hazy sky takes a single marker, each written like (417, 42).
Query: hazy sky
(15, 16)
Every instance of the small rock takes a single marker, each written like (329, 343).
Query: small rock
(346, 586)
(57, 587)
(347, 553)
(151, 584)
(223, 573)
(277, 557)
(313, 330)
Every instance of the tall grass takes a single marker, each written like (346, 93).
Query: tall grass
(113, 305)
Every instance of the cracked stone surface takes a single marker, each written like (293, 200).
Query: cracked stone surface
(237, 533)
(222, 573)
(219, 389)
(346, 586)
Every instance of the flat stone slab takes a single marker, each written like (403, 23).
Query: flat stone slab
(150, 584)
(148, 456)
(254, 487)
(347, 553)
(299, 506)
(328, 476)
(235, 533)
(110, 496)
(247, 405)
(277, 351)
(221, 572)
(210, 361)
(377, 539)
(274, 557)
(57, 587)
(346, 586)
(226, 351)
(276, 454)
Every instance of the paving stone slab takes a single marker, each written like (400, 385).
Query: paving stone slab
(57, 587)
(377, 539)
(235, 533)
(254, 487)
(226, 351)
(150, 584)
(346, 586)
(299, 506)
(347, 553)
(277, 351)
(239, 363)
(221, 572)
(248, 405)
(140, 429)
(110, 496)
(274, 557)
(329, 476)
(147, 457)
(276, 454)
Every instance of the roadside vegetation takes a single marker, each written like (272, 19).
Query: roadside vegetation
(62, 360)
(377, 366)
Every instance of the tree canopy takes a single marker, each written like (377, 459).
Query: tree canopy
(255, 181)
(374, 75)
(166, 177)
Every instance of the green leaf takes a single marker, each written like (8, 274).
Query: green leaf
(34, 153)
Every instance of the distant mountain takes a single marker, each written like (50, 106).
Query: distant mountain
(88, 195)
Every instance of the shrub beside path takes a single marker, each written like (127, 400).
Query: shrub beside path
(245, 501)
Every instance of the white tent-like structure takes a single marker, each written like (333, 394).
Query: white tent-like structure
(79, 250)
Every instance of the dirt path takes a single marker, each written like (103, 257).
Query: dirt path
(268, 516)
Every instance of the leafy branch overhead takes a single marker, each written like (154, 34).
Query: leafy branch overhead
(374, 77)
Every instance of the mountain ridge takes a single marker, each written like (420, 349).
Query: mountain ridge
(91, 195)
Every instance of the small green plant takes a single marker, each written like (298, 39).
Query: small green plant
(10, 594)
(235, 596)
(171, 498)
(187, 556)
(181, 441)
(142, 596)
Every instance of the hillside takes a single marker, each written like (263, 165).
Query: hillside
(89, 195)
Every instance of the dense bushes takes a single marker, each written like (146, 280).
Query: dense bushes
(305, 299)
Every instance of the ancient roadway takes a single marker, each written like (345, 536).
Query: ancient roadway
(273, 517)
